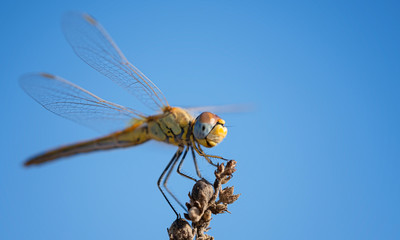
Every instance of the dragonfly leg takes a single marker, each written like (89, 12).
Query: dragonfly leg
(195, 163)
(172, 161)
(201, 153)
(207, 156)
(180, 150)
(180, 166)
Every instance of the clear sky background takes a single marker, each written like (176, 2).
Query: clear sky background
(318, 156)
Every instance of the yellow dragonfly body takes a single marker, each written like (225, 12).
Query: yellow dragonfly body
(173, 125)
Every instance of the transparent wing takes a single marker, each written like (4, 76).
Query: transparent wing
(75, 103)
(93, 45)
(231, 108)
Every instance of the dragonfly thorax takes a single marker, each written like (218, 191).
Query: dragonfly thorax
(209, 129)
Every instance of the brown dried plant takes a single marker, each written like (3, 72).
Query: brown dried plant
(206, 199)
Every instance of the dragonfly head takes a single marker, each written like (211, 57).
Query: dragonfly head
(209, 129)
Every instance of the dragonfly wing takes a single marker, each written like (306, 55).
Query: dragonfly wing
(75, 103)
(231, 108)
(93, 45)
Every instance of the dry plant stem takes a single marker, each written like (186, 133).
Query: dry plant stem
(203, 203)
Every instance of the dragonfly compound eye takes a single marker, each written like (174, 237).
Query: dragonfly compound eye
(209, 129)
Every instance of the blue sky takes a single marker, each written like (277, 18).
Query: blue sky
(318, 156)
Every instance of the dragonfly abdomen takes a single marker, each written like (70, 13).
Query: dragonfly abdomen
(131, 136)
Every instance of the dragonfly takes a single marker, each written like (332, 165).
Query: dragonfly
(172, 125)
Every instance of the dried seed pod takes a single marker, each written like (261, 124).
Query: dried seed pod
(207, 216)
(180, 230)
(194, 214)
(202, 191)
(219, 208)
(226, 195)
